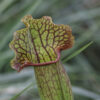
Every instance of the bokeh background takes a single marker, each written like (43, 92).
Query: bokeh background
(84, 69)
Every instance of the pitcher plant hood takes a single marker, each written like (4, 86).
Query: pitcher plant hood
(40, 42)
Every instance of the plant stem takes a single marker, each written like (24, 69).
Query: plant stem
(53, 82)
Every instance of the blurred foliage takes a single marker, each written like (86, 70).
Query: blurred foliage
(84, 70)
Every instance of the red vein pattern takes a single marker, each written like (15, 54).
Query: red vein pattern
(40, 42)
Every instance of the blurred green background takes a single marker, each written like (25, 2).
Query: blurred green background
(84, 69)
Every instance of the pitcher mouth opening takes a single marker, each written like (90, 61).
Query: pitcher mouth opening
(19, 67)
